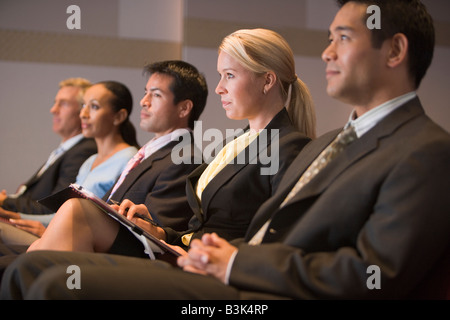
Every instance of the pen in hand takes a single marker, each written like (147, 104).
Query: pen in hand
(138, 215)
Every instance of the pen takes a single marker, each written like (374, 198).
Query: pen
(138, 215)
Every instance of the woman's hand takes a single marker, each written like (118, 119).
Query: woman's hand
(3, 196)
(32, 226)
(139, 214)
(9, 214)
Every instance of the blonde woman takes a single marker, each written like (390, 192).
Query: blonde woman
(258, 82)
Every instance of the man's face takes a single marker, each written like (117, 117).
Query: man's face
(354, 67)
(65, 111)
(159, 114)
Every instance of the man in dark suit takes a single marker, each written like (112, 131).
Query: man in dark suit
(62, 168)
(175, 96)
(373, 223)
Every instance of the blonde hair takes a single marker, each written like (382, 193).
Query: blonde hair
(263, 50)
(81, 83)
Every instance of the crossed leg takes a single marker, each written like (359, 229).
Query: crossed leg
(78, 226)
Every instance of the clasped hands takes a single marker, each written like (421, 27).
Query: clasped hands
(208, 256)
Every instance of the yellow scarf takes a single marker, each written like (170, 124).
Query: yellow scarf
(224, 157)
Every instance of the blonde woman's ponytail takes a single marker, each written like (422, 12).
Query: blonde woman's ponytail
(301, 108)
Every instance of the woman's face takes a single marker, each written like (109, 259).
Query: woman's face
(240, 89)
(97, 115)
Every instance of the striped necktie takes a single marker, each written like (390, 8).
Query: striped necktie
(132, 163)
(344, 138)
(51, 159)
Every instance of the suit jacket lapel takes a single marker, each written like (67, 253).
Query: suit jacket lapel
(52, 167)
(302, 162)
(290, 178)
(354, 152)
(34, 179)
(229, 171)
(359, 148)
(141, 168)
(191, 191)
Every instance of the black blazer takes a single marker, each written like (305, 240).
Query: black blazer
(383, 202)
(58, 176)
(234, 194)
(160, 184)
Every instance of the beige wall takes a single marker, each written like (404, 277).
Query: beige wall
(117, 37)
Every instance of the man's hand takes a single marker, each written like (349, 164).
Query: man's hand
(210, 255)
(32, 226)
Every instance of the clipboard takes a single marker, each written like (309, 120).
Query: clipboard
(153, 246)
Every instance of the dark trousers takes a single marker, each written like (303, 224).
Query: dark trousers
(45, 275)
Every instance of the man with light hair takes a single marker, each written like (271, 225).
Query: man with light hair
(61, 168)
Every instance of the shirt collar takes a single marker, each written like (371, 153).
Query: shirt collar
(157, 143)
(69, 143)
(369, 119)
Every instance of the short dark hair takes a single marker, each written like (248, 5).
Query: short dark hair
(411, 18)
(188, 84)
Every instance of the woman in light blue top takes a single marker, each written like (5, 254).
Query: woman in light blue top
(101, 178)
(97, 180)
(104, 117)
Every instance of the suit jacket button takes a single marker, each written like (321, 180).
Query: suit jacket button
(272, 231)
